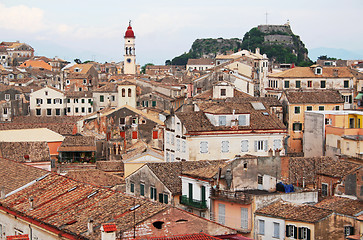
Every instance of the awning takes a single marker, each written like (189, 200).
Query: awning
(359, 96)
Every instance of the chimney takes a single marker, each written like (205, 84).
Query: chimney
(108, 231)
(2, 193)
(90, 226)
(270, 153)
(31, 203)
(277, 153)
(257, 50)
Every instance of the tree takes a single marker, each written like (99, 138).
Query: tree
(78, 61)
(143, 68)
(167, 62)
(325, 57)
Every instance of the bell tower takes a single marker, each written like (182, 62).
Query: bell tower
(129, 57)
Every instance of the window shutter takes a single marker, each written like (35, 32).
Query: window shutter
(287, 230)
(225, 146)
(151, 193)
(155, 134)
(134, 135)
(161, 197)
(308, 234)
(165, 199)
(351, 230)
(242, 120)
(244, 218)
(265, 145)
(295, 232)
(221, 213)
(300, 233)
(256, 142)
(203, 147)
(277, 144)
(244, 146)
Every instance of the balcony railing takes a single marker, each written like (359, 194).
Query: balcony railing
(232, 195)
(185, 200)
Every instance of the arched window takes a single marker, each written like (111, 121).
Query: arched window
(129, 92)
(123, 92)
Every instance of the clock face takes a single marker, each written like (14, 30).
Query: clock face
(129, 60)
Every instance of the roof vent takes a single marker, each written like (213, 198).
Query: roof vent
(265, 113)
(92, 194)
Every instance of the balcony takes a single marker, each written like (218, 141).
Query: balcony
(193, 202)
(236, 196)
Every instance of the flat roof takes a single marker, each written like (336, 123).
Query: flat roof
(30, 135)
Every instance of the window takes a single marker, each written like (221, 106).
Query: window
(225, 147)
(153, 103)
(5, 111)
(76, 100)
(76, 109)
(153, 193)
(276, 230)
(321, 108)
(142, 189)
(49, 112)
(309, 108)
(223, 92)
(348, 99)
(346, 84)
(260, 145)
(259, 179)
(68, 100)
(318, 70)
(190, 191)
(242, 120)
(286, 84)
(328, 121)
(324, 189)
(203, 147)
(89, 110)
(38, 112)
(296, 127)
(163, 198)
(322, 84)
(261, 227)
(18, 231)
(167, 157)
(134, 120)
(244, 218)
(310, 84)
(83, 109)
(132, 187)
(57, 112)
(337, 108)
(123, 91)
(167, 137)
(244, 146)
(297, 110)
(84, 81)
(298, 83)
(348, 230)
(277, 144)
(291, 231)
(39, 101)
(46, 93)
(221, 213)
(202, 194)
(222, 120)
(178, 144)
(102, 98)
(82, 100)
(129, 92)
(304, 233)
(172, 139)
(184, 147)
(7, 97)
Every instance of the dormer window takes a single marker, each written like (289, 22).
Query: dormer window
(223, 92)
(318, 71)
(77, 69)
(222, 120)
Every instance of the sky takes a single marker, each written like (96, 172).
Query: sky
(164, 29)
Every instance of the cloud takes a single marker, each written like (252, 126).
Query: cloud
(22, 18)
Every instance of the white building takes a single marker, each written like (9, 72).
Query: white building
(79, 103)
(47, 101)
(221, 131)
(200, 64)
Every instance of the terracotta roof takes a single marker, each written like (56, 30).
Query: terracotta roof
(317, 96)
(109, 227)
(14, 175)
(259, 119)
(169, 172)
(310, 167)
(95, 177)
(138, 148)
(78, 94)
(110, 166)
(25, 151)
(206, 172)
(18, 237)
(308, 72)
(341, 205)
(78, 144)
(194, 236)
(84, 68)
(36, 64)
(108, 87)
(290, 211)
(201, 61)
(67, 205)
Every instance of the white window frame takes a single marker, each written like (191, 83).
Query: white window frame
(276, 233)
(203, 146)
(7, 97)
(244, 145)
(222, 120)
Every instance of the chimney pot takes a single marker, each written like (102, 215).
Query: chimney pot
(90, 226)
(2, 193)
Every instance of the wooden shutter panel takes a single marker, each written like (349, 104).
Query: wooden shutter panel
(256, 142)
(308, 233)
(299, 233)
(155, 134)
(295, 232)
(265, 145)
(287, 230)
(351, 230)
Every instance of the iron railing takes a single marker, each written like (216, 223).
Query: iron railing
(185, 200)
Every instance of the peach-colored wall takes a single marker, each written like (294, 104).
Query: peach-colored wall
(233, 214)
(53, 147)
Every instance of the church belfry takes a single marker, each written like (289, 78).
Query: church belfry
(130, 56)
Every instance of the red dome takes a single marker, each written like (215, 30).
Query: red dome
(129, 33)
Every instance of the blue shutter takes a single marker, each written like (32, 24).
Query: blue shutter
(242, 120)
(244, 218)
(222, 120)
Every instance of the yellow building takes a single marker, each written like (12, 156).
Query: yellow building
(296, 103)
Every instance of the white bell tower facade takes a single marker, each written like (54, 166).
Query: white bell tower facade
(130, 56)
